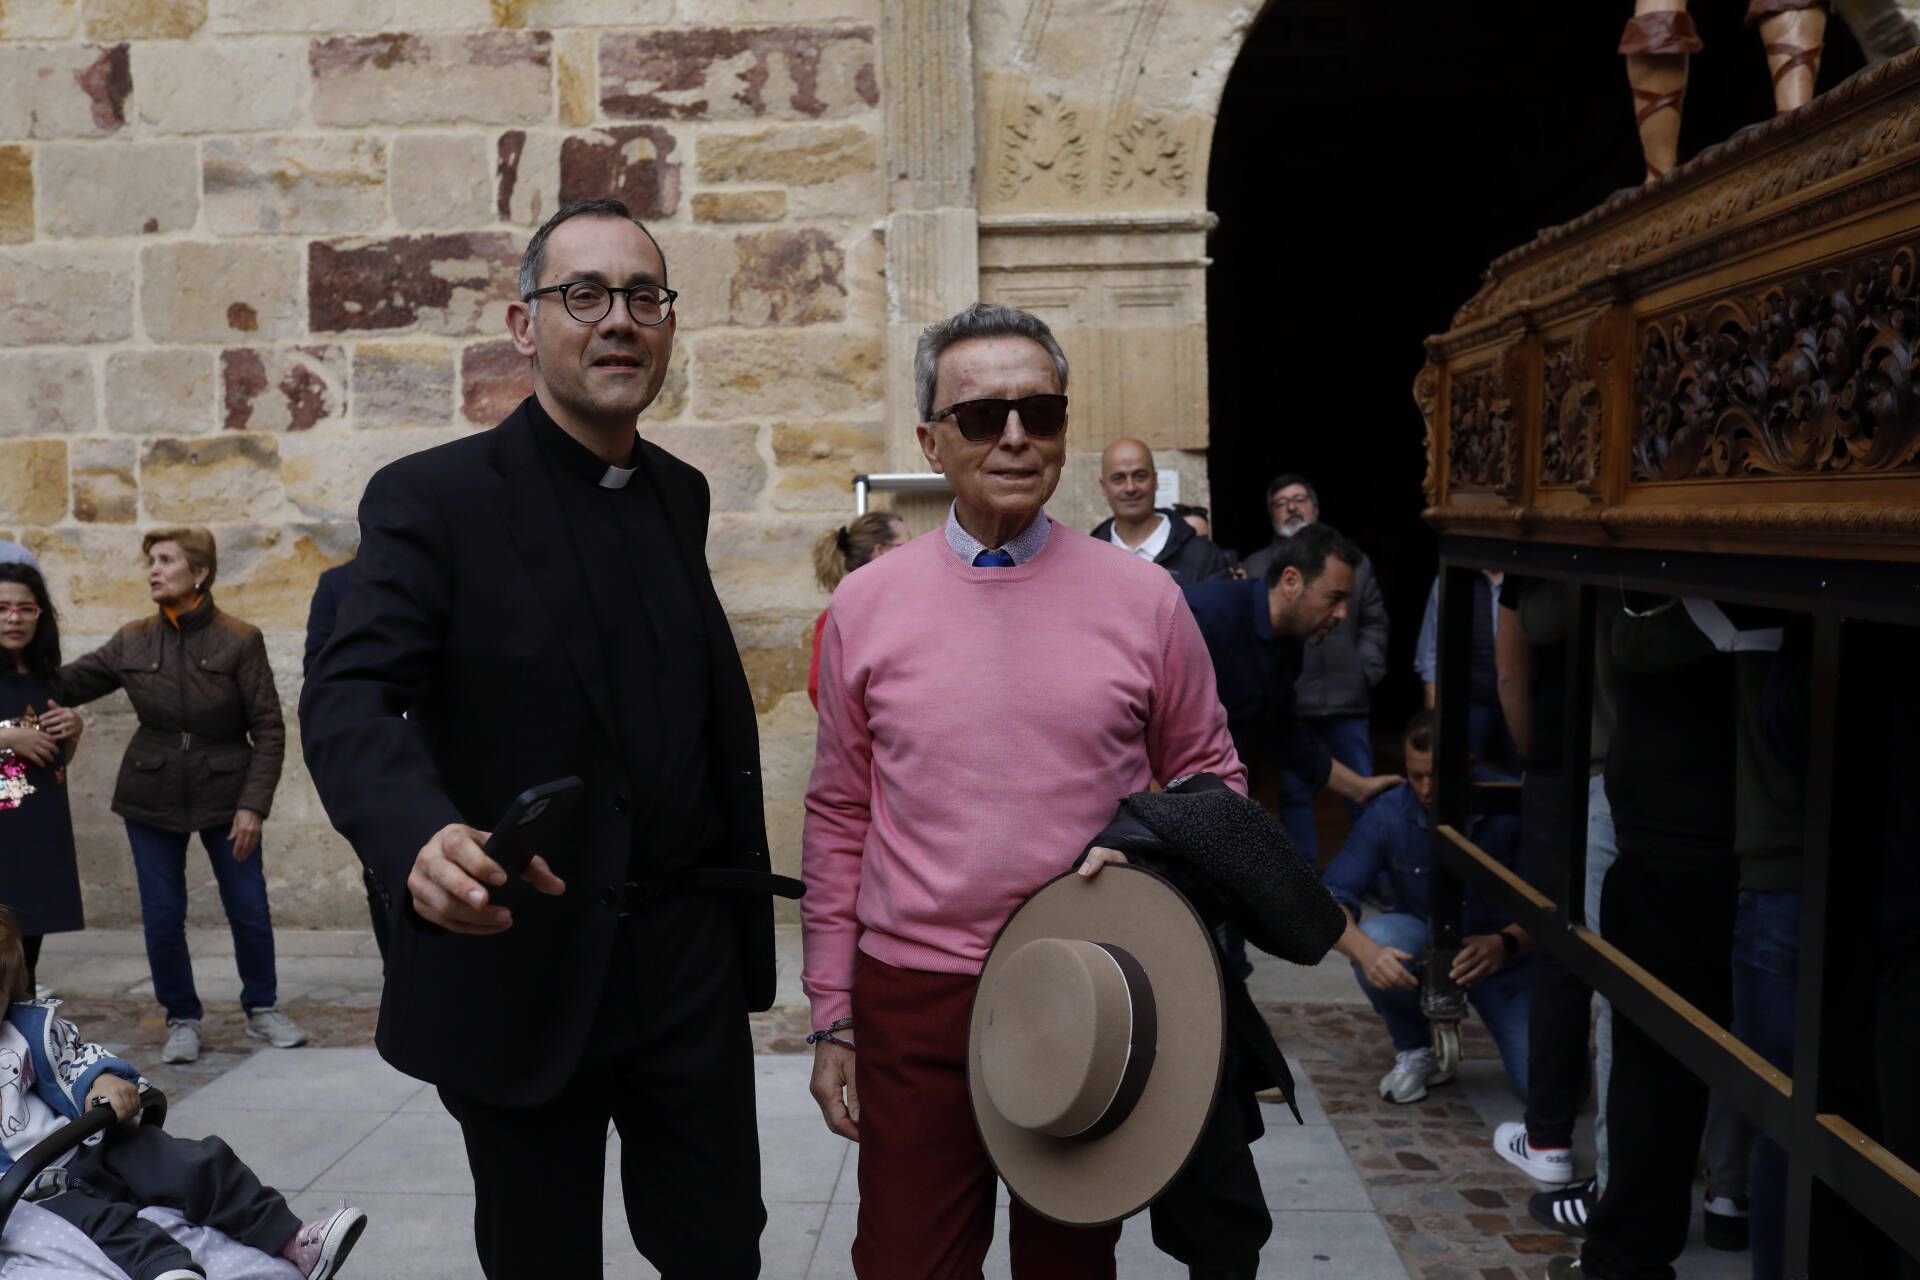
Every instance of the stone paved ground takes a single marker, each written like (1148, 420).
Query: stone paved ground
(134, 1025)
(1451, 1208)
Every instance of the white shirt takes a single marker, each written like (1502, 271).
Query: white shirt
(1150, 549)
(24, 1117)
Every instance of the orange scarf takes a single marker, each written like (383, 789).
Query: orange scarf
(174, 615)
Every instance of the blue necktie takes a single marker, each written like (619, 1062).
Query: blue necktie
(993, 560)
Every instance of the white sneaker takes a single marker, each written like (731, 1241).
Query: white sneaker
(1551, 1165)
(275, 1027)
(1413, 1070)
(183, 1040)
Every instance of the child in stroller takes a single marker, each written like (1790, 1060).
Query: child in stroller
(49, 1077)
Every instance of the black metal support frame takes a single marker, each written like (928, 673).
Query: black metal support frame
(1838, 1178)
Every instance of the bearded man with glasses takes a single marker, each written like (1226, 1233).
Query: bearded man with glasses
(988, 692)
(536, 600)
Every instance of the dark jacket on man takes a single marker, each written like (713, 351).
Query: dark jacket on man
(1187, 556)
(211, 740)
(1255, 671)
(1236, 867)
(1339, 673)
(324, 611)
(471, 611)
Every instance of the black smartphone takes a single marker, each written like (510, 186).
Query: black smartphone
(531, 822)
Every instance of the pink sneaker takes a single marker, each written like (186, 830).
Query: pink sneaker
(319, 1247)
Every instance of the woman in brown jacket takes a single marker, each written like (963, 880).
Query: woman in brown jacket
(205, 758)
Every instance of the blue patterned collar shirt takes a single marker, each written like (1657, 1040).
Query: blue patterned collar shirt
(1027, 544)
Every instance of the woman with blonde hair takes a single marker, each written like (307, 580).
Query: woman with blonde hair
(837, 553)
(205, 758)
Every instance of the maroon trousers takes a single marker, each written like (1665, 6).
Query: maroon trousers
(926, 1187)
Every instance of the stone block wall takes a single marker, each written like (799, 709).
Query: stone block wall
(252, 250)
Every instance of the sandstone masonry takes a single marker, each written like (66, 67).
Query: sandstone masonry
(253, 250)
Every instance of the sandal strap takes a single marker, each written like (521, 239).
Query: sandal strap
(1663, 32)
(1759, 11)
(1655, 103)
(1808, 57)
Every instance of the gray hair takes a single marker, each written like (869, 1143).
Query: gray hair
(534, 261)
(980, 320)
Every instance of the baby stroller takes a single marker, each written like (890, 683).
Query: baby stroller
(37, 1244)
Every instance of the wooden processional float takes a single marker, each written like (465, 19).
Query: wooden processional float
(1722, 360)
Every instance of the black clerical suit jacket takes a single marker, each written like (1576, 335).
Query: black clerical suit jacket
(470, 611)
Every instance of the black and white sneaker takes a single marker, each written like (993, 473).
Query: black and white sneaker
(1551, 1165)
(1565, 1210)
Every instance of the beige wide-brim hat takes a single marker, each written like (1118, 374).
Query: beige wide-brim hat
(1094, 1050)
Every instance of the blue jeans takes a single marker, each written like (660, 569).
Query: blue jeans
(1766, 964)
(1348, 740)
(1488, 740)
(1502, 1000)
(160, 863)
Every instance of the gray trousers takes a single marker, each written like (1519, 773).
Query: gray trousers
(204, 1181)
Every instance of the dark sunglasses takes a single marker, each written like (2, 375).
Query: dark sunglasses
(980, 420)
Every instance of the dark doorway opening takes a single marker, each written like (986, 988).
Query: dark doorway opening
(1371, 157)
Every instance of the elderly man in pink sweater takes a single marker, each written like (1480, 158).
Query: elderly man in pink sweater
(988, 694)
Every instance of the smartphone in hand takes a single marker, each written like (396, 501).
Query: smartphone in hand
(532, 822)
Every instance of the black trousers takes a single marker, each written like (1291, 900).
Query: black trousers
(204, 1181)
(1896, 1049)
(1558, 1065)
(670, 1063)
(1214, 1217)
(1674, 915)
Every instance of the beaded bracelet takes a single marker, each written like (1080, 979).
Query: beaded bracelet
(827, 1034)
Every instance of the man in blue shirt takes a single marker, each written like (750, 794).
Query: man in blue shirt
(1257, 631)
(1391, 839)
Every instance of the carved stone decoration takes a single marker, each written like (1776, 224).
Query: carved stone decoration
(1145, 151)
(1814, 375)
(1569, 416)
(1480, 431)
(1043, 139)
(1426, 393)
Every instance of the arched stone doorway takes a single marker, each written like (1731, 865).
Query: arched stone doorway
(1370, 158)
(1067, 175)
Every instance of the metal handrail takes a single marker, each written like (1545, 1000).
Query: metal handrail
(1803, 1109)
(896, 482)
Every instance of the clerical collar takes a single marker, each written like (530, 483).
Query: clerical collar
(574, 458)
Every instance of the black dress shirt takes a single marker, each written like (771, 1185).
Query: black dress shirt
(654, 645)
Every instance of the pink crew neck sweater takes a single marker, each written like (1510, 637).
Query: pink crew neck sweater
(978, 727)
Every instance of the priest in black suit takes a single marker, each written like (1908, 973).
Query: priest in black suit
(537, 598)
